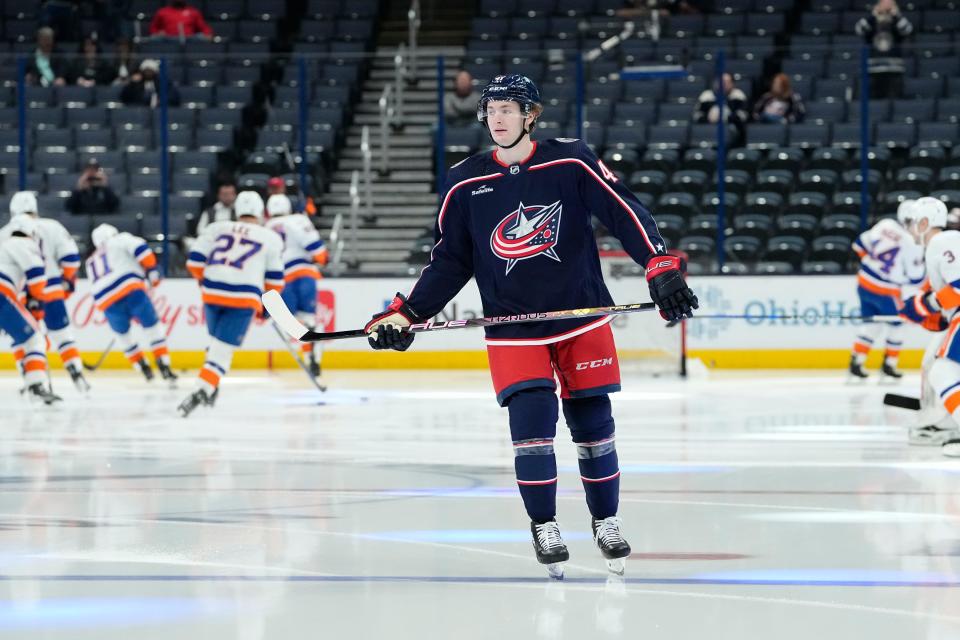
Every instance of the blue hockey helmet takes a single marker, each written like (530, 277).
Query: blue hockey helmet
(513, 87)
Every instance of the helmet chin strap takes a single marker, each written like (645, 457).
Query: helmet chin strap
(524, 132)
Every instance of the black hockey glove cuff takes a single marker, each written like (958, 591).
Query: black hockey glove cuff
(385, 329)
(668, 290)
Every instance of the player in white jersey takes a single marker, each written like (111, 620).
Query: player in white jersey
(120, 270)
(303, 252)
(62, 261)
(235, 263)
(938, 305)
(21, 265)
(890, 262)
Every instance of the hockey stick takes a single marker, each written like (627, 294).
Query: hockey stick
(103, 357)
(303, 365)
(279, 312)
(902, 402)
(723, 316)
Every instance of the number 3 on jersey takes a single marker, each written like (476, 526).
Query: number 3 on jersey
(224, 253)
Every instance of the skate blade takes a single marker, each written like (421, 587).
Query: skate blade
(555, 570)
(920, 438)
(617, 566)
(952, 449)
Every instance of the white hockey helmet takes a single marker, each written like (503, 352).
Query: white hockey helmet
(102, 234)
(930, 209)
(905, 212)
(249, 203)
(279, 205)
(24, 202)
(27, 225)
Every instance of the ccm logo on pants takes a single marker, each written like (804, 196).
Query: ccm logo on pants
(594, 364)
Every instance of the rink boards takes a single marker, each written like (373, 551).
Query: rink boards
(809, 338)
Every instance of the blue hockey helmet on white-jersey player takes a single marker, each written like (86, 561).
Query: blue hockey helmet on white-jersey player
(512, 88)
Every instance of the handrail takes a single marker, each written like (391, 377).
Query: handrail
(337, 243)
(354, 214)
(367, 156)
(413, 28)
(386, 116)
(400, 75)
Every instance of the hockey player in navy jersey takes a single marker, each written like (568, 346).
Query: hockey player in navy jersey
(518, 219)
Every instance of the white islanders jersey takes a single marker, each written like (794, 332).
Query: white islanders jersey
(21, 264)
(235, 263)
(889, 259)
(121, 266)
(302, 246)
(60, 255)
(943, 271)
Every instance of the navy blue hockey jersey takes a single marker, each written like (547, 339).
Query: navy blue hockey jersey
(524, 231)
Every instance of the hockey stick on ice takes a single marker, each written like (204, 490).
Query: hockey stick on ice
(279, 312)
(103, 357)
(296, 356)
(902, 402)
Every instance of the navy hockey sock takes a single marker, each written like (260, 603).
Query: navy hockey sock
(533, 425)
(591, 424)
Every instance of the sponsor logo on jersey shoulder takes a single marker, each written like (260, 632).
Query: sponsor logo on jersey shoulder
(527, 232)
(481, 189)
(567, 139)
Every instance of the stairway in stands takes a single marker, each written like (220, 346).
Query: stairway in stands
(404, 200)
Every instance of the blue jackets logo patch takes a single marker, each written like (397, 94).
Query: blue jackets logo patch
(527, 232)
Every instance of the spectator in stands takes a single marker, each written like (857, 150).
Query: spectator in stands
(735, 109)
(93, 193)
(220, 210)
(143, 88)
(884, 30)
(177, 20)
(90, 68)
(460, 105)
(781, 104)
(47, 67)
(123, 61)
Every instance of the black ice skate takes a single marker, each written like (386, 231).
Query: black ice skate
(608, 535)
(145, 369)
(891, 370)
(856, 368)
(549, 547)
(193, 401)
(76, 375)
(951, 448)
(40, 393)
(313, 365)
(167, 374)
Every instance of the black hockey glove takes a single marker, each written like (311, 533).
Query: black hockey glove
(668, 289)
(35, 307)
(384, 329)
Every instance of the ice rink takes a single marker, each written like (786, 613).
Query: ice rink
(758, 505)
